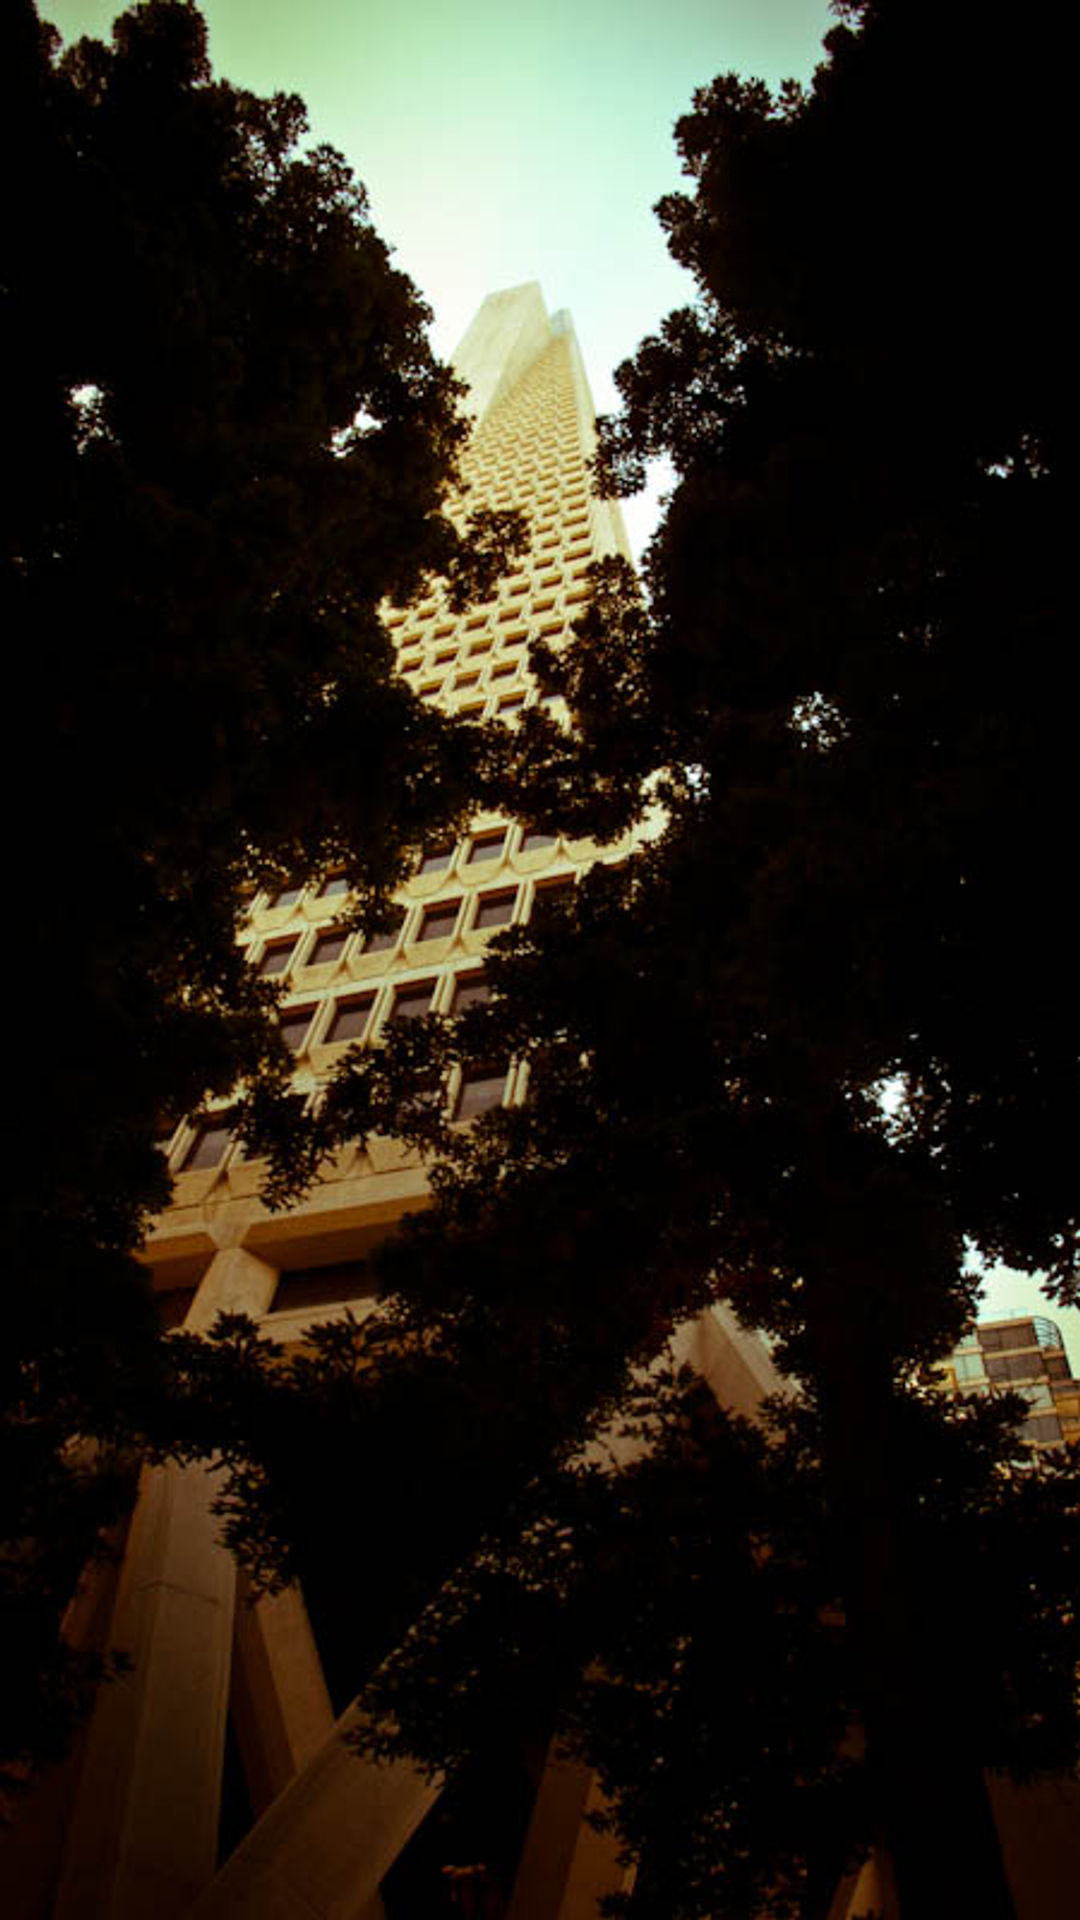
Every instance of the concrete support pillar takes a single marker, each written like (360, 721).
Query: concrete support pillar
(566, 1867)
(235, 1282)
(143, 1837)
(144, 1834)
(32, 1848)
(281, 1708)
(734, 1363)
(323, 1847)
(868, 1892)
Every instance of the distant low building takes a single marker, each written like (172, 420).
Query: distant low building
(1026, 1355)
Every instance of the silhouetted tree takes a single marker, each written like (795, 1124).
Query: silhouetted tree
(226, 442)
(822, 1033)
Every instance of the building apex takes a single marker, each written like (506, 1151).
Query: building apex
(511, 329)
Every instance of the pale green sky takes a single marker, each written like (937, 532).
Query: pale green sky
(503, 142)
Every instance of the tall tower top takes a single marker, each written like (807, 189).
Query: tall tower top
(508, 334)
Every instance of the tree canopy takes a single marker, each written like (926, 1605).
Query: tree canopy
(226, 444)
(820, 1037)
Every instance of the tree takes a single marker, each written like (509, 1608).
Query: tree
(819, 1038)
(226, 444)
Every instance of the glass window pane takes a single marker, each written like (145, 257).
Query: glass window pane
(285, 897)
(349, 1018)
(294, 1023)
(494, 909)
(439, 922)
(411, 1002)
(209, 1144)
(533, 840)
(436, 861)
(323, 1286)
(1042, 1426)
(328, 946)
(276, 958)
(487, 846)
(471, 990)
(968, 1366)
(479, 1091)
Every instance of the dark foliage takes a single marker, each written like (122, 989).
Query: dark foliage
(851, 686)
(225, 443)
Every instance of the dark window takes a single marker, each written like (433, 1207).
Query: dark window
(487, 846)
(350, 1017)
(382, 942)
(208, 1147)
(511, 702)
(551, 898)
(532, 840)
(437, 861)
(1014, 1366)
(276, 958)
(480, 1089)
(322, 1286)
(294, 1023)
(494, 909)
(336, 883)
(411, 1002)
(1045, 1426)
(328, 946)
(439, 921)
(285, 897)
(172, 1307)
(1020, 1334)
(470, 990)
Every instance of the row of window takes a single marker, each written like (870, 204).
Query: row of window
(481, 848)
(999, 1366)
(475, 851)
(506, 642)
(1024, 1333)
(489, 629)
(350, 1016)
(329, 889)
(439, 920)
(212, 1141)
(552, 530)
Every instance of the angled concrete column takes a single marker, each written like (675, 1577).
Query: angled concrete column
(734, 1363)
(143, 1838)
(320, 1851)
(235, 1282)
(280, 1705)
(566, 1867)
(144, 1834)
(32, 1848)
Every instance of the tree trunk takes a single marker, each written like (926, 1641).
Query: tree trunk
(928, 1792)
